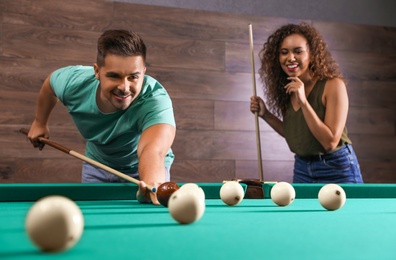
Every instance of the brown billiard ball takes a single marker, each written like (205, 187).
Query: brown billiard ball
(164, 191)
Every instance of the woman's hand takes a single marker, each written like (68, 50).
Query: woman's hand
(257, 105)
(296, 86)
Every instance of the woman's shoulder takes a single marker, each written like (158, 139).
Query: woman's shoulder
(334, 88)
(335, 82)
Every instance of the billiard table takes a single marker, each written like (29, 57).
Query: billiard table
(118, 227)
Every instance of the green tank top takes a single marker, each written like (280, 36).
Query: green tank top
(298, 136)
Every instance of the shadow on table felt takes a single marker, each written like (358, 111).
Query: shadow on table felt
(287, 211)
(262, 209)
(20, 254)
(241, 206)
(112, 203)
(114, 211)
(137, 225)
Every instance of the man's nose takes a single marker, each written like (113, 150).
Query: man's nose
(125, 85)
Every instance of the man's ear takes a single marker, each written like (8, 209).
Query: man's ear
(96, 69)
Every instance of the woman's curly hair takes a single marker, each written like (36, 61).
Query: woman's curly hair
(274, 78)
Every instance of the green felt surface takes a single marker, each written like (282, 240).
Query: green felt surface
(365, 228)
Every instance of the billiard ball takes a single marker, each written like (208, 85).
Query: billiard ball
(332, 196)
(193, 187)
(283, 193)
(186, 207)
(232, 193)
(54, 223)
(164, 191)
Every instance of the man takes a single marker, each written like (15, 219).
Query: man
(125, 116)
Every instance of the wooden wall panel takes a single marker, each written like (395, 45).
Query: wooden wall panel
(228, 145)
(375, 121)
(48, 43)
(14, 110)
(203, 60)
(207, 85)
(375, 148)
(194, 114)
(195, 24)
(72, 14)
(370, 93)
(272, 170)
(16, 145)
(357, 38)
(18, 6)
(36, 170)
(367, 66)
(185, 53)
(26, 75)
(203, 170)
(234, 116)
(378, 171)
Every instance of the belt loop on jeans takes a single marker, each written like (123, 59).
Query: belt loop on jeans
(348, 147)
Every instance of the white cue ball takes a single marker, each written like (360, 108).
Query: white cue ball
(193, 187)
(185, 206)
(332, 197)
(54, 223)
(232, 193)
(283, 193)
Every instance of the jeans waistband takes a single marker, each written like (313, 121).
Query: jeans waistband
(321, 157)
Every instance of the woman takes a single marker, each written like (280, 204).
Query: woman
(307, 105)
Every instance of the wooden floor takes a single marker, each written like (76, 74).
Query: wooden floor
(202, 59)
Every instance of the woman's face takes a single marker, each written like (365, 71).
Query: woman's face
(294, 55)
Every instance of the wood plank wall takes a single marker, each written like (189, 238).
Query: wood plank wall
(202, 58)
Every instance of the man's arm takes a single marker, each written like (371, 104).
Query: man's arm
(153, 146)
(45, 103)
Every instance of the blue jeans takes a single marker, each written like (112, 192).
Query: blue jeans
(341, 166)
(92, 174)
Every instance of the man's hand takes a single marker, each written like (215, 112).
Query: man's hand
(145, 195)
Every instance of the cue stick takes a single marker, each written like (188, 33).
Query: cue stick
(258, 143)
(86, 159)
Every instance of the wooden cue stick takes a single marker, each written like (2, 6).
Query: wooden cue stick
(258, 143)
(86, 159)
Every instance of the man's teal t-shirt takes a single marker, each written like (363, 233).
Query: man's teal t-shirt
(112, 139)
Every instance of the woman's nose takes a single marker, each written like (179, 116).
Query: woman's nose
(291, 57)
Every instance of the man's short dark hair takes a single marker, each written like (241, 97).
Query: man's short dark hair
(120, 42)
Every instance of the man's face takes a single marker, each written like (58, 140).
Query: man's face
(121, 80)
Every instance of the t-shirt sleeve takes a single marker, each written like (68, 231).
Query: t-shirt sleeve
(160, 111)
(156, 106)
(64, 79)
(59, 81)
